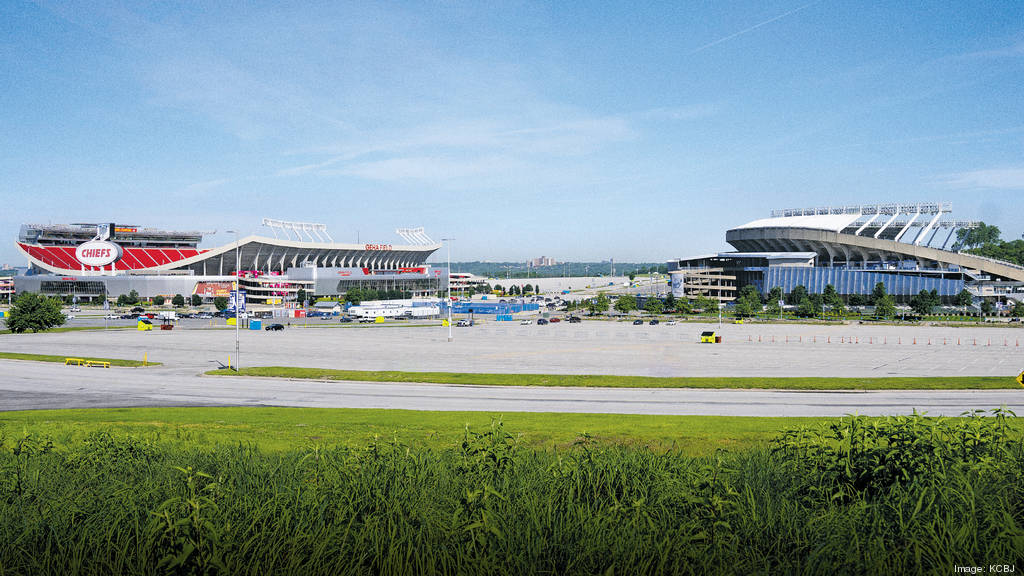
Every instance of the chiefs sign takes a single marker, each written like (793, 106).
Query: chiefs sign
(98, 253)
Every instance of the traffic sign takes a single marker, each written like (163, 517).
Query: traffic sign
(1020, 379)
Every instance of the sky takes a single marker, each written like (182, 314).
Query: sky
(580, 131)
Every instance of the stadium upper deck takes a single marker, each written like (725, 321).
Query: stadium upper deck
(872, 235)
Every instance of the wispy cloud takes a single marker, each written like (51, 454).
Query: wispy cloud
(1003, 179)
(756, 26)
(691, 112)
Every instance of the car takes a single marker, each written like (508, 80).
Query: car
(112, 317)
(367, 320)
(76, 309)
(541, 321)
(138, 309)
(553, 320)
(526, 322)
(574, 320)
(670, 323)
(205, 316)
(345, 319)
(464, 322)
(274, 327)
(654, 322)
(638, 322)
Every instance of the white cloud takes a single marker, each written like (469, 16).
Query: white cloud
(1005, 179)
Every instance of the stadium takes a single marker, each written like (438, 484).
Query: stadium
(907, 247)
(102, 261)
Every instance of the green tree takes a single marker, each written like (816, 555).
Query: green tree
(159, 300)
(654, 305)
(133, 298)
(631, 276)
(626, 303)
(773, 308)
(300, 296)
(354, 296)
(986, 307)
(974, 237)
(670, 301)
(599, 305)
(885, 306)
(663, 269)
(683, 306)
(196, 300)
(749, 301)
(178, 300)
(706, 305)
(123, 300)
(774, 295)
(964, 298)
(220, 303)
(807, 308)
(797, 295)
(528, 289)
(878, 293)
(1018, 309)
(370, 294)
(31, 311)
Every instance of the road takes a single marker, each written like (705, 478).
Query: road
(593, 347)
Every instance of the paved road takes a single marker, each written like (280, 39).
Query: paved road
(587, 348)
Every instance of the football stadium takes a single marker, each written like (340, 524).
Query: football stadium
(907, 247)
(94, 262)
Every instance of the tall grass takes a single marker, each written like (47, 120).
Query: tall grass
(817, 503)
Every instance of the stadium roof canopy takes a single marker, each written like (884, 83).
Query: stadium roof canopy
(878, 232)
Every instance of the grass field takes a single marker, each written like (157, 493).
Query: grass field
(61, 359)
(282, 429)
(908, 383)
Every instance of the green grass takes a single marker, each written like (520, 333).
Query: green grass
(907, 383)
(282, 429)
(72, 329)
(61, 359)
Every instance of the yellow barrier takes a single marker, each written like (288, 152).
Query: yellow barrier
(74, 361)
(97, 363)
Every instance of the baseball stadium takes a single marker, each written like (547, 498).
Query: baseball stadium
(907, 247)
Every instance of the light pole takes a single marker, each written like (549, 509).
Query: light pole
(449, 302)
(237, 294)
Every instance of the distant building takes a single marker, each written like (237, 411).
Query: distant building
(542, 261)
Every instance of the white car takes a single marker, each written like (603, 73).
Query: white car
(112, 317)
(525, 322)
(670, 323)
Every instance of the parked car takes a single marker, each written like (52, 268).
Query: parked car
(553, 320)
(525, 322)
(464, 322)
(112, 317)
(541, 321)
(138, 309)
(653, 322)
(345, 319)
(274, 327)
(638, 322)
(670, 323)
(574, 320)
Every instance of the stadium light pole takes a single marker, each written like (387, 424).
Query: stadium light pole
(449, 302)
(237, 290)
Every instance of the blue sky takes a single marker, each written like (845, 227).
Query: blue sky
(577, 130)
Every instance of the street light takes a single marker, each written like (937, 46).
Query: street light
(449, 303)
(237, 293)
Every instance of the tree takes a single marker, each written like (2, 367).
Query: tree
(749, 301)
(773, 308)
(670, 301)
(774, 295)
(1018, 309)
(885, 306)
(986, 307)
(859, 300)
(178, 300)
(924, 301)
(354, 296)
(300, 296)
(663, 269)
(220, 303)
(626, 303)
(797, 295)
(807, 308)
(654, 306)
(878, 293)
(705, 304)
(683, 306)
(528, 289)
(122, 300)
(133, 298)
(196, 300)
(159, 300)
(498, 288)
(964, 298)
(598, 305)
(35, 312)
(370, 294)
(974, 237)
(631, 276)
